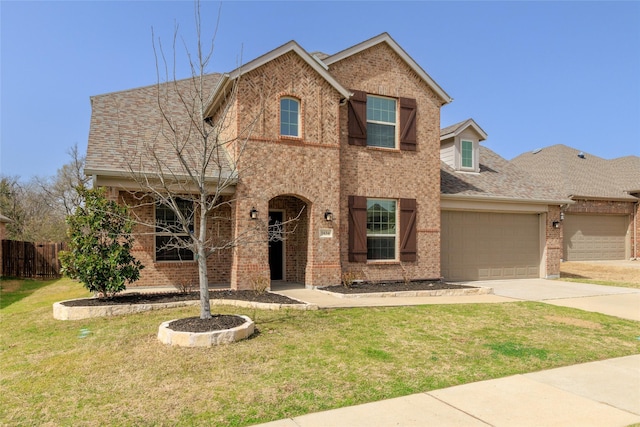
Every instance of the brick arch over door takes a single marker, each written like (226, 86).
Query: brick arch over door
(289, 245)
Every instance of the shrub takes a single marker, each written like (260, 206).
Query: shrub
(100, 242)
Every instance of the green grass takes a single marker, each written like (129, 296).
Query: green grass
(113, 371)
(601, 282)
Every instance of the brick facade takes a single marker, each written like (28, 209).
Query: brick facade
(304, 177)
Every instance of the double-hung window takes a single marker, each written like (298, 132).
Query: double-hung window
(289, 117)
(466, 154)
(170, 232)
(381, 229)
(381, 122)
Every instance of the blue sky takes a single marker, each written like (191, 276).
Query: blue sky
(532, 74)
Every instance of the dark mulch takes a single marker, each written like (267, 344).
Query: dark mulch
(371, 287)
(140, 298)
(216, 323)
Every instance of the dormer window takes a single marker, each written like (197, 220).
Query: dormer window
(460, 146)
(466, 154)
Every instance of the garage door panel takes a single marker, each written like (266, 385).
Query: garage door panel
(485, 246)
(594, 237)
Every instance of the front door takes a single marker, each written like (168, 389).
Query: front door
(276, 245)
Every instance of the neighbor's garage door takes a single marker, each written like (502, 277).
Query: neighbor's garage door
(485, 245)
(594, 237)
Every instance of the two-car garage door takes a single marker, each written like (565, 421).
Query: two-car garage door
(594, 237)
(490, 245)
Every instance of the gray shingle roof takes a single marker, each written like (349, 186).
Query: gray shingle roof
(127, 128)
(591, 176)
(497, 179)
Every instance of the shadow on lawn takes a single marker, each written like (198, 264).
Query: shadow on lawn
(13, 289)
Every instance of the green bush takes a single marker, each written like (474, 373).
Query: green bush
(100, 242)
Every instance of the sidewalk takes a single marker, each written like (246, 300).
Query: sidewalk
(603, 393)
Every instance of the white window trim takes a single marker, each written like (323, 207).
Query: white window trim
(396, 124)
(396, 236)
(299, 102)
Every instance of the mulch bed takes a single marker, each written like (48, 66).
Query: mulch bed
(371, 287)
(216, 323)
(143, 298)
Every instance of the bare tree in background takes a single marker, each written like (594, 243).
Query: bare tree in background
(38, 207)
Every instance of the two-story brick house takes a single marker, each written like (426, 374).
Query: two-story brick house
(349, 144)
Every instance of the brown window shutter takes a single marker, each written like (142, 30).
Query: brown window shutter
(357, 229)
(408, 224)
(408, 119)
(357, 119)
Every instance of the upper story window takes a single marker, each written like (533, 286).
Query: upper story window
(290, 117)
(170, 233)
(466, 154)
(378, 121)
(381, 122)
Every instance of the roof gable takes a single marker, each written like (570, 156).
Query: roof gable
(458, 128)
(314, 61)
(386, 38)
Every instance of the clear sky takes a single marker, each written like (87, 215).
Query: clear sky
(531, 74)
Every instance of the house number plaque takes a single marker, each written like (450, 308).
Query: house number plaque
(326, 233)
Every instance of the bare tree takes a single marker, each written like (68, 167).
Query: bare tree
(64, 191)
(191, 164)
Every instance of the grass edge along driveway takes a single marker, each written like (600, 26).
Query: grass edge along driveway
(113, 371)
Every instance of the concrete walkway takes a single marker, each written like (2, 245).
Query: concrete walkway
(603, 393)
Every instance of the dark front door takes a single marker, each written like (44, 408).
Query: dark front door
(276, 246)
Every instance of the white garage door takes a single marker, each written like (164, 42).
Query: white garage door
(594, 237)
(486, 246)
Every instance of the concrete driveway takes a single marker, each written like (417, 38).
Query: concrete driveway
(611, 300)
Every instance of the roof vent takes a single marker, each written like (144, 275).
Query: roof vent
(581, 155)
(536, 151)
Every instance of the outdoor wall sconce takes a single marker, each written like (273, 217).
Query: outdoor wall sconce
(556, 224)
(328, 216)
(253, 213)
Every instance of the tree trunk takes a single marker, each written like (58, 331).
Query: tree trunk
(205, 305)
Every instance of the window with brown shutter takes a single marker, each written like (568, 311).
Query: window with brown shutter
(357, 229)
(408, 240)
(408, 118)
(357, 118)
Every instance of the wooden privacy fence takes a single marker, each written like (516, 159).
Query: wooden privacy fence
(28, 259)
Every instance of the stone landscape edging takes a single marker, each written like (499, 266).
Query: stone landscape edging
(64, 312)
(418, 293)
(168, 336)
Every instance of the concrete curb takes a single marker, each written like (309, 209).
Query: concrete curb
(63, 312)
(420, 293)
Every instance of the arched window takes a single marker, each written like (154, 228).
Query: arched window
(289, 117)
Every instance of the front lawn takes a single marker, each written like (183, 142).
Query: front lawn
(113, 371)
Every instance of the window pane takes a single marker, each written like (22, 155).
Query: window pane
(169, 231)
(381, 109)
(381, 248)
(381, 135)
(381, 229)
(171, 254)
(467, 154)
(289, 117)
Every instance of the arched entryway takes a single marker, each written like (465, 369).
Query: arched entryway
(288, 242)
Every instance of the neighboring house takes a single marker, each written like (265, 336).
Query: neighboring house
(602, 222)
(497, 222)
(351, 140)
